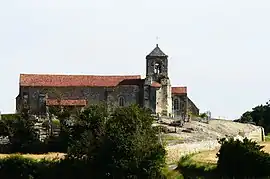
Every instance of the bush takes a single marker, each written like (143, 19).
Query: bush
(19, 167)
(242, 159)
(194, 169)
(123, 145)
(24, 138)
(22, 135)
(162, 129)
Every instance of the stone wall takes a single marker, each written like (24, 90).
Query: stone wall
(256, 135)
(175, 152)
(93, 95)
(181, 112)
(193, 108)
(159, 99)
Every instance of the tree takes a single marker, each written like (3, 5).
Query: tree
(203, 115)
(21, 132)
(121, 145)
(62, 114)
(260, 115)
(246, 117)
(88, 132)
(242, 159)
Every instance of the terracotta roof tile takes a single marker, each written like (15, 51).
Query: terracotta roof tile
(55, 102)
(179, 90)
(132, 82)
(72, 80)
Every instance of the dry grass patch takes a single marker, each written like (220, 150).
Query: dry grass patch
(266, 146)
(47, 156)
(206, 157)
(210, 156)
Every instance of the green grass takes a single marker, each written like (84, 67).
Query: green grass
(195, 169)
(174, 174)
(171, 139)
(267, 138)
(187, 162)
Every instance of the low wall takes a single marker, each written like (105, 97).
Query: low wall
(256, 135)
(175, 152)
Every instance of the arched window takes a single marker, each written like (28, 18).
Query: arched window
(157, 68)
(176, 104)
(121, 101)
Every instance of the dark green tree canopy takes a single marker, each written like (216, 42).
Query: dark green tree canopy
(260, 115)
(123, 144)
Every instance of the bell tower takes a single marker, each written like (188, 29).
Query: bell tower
(157, 65)
(159, 99)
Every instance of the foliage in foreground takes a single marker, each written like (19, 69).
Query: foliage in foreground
(260, 115)
(236, 159)
(194, 169)
(242, 159)
(21, 133)
(121, 145)
(172, 174)
(19, 167)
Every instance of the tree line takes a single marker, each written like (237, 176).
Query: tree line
(259, 115)
(97, 145)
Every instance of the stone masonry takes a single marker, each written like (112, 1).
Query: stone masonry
(40, 92)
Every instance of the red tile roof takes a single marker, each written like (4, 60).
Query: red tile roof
(179, 90)
(46, 80)
(132, 82)
(55, 102)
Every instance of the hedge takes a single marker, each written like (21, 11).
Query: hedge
(26, 168)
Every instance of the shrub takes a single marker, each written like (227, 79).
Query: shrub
(194, 169)
(123, 145)
(162, 129)
(242, 159)
(22, 135)
(55, 122)
(19, 167)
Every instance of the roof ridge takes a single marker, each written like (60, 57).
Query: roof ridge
(53, 74)
(179, 89)
(157, 52)
(74, 80)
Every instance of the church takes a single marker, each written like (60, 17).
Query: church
(40, 92)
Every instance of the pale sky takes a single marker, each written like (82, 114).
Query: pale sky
(219, 49)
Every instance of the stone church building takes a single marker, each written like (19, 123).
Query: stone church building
(41, 91)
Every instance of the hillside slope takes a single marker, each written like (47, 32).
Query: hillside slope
(195, 131)
(197, 136)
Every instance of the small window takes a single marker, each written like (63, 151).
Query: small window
(176, 104)
(42, 98)
(25, 95)
(121, 101)
(157, 68)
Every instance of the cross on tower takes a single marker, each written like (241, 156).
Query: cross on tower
(157, 38)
